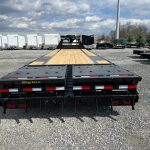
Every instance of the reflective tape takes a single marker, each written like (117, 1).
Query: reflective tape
(8, 90)
(99, 87)
(104, 87)
(13, 90)
(123, 86)
(77, 88)
(84, 88)
(55, 88)
(36, 89)
(127, 86)
(60, 88)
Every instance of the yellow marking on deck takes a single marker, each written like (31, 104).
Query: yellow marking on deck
(103, 62)
(88, 52)
(37, 63)
(52, 53)
(70, 56)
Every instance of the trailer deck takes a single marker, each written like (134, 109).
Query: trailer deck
(69, 57)
(70, 75)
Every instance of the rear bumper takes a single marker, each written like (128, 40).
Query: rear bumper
(42, 102)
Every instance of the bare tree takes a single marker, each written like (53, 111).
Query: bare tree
(133, 33)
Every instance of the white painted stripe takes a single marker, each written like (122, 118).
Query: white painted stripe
(114, 75)
(13, 90)
(77, 88)
(52, 77)
(22, 78)
(99, 87)
(123, 86)
(85, 76)
(60, 88)
(36, 89)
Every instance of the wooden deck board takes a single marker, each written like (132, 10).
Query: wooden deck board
(70, 56)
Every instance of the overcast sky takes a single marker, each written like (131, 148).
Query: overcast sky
(70, 16)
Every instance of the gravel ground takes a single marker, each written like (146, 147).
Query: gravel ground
(122, 129)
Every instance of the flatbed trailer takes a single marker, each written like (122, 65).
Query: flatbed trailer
(146, 55)
(140, 51)
(69, 74)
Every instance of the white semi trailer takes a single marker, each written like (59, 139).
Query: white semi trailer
(51, 40)
(0, 41)
(12, 41)
(31, 40)
(3, 42)
(21, 42)
(34, 41)
(40, 41)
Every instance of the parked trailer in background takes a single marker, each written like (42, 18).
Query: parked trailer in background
(140, 51)
(146, 55)
(51, 41)
(87, 39)
(32, 41)
(40, 41)
(12, 41)
(21, 42)
(4, 42)
(1, 42)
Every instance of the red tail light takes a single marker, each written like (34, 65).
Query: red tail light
(11, 106)
(115, 103)
(126, 103)
(22, 105)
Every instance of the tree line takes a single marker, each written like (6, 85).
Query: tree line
(131, 33)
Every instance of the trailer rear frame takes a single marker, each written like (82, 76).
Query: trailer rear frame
(101, 82)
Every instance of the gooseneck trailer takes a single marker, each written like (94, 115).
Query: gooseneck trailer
(68, 74)
(146, 55)
(140, 51)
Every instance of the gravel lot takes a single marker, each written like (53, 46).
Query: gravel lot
(122, 129)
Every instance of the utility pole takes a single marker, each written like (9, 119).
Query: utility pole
(118, 20)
